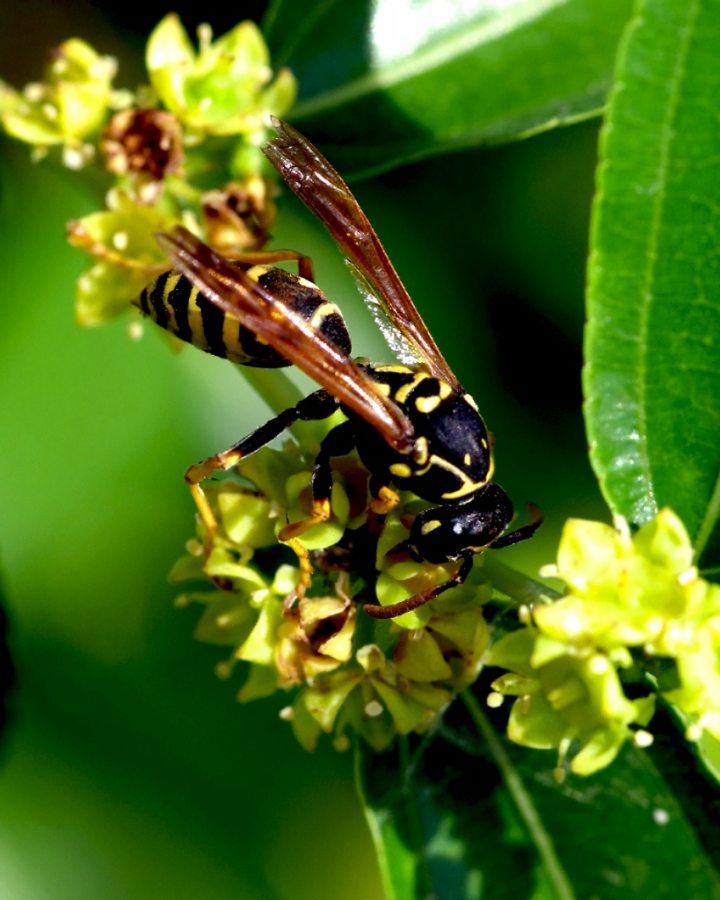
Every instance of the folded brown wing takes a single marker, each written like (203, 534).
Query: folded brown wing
(323, 191)
(231, 290)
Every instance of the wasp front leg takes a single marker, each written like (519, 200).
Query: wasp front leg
(398, 609)
(337, 442)
(523, 533)
(318, 405)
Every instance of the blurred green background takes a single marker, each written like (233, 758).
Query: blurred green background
(128, 770)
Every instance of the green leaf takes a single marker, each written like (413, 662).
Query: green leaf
(464, 816)
(7, 671)
(388, 82)
(442, 823)
(690, 770)
(652, 377)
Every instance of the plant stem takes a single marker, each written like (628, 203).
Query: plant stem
(272, 386)
(522, 799)
(516, 585)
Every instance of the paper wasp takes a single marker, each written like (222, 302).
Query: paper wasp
(414, 426)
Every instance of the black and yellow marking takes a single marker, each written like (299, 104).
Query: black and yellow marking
(451, 458)
(427, 405)
(430, 526)
(177, 306)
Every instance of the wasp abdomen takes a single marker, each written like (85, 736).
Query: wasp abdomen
(176, 305)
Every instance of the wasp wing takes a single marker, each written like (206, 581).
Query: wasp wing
(231, 290)
(394, 338)
(323, 191)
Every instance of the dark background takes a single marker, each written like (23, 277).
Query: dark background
(129, 771)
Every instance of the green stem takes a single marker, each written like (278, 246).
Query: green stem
(386, 875)
(522, 799)
(516, 585)
(279, 392)
(272, 386)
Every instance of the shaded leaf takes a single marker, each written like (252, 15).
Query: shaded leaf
(462, 816)
(690, 770)
(388, 82)
(7, 670)
(652, 377)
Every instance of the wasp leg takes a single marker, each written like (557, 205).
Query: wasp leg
(318, 405)
(383, 498)
(337, 442)
(521, 534)
(270, 257)
(306, 573)
(397, 609)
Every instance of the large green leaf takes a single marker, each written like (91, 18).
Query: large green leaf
(386, 82)
(465, 817)
(652, 378)
(7, 673)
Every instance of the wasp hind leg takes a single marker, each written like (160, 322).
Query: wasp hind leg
(337, 442)
(270, 257)
(318, 405)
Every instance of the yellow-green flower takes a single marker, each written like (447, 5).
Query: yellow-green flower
(67, 107)
(563, 697)
(226, 87)
(354, 673)
(127, 256)
(625, 590)
(372, 697)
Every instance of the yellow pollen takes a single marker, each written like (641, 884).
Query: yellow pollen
(642, 738)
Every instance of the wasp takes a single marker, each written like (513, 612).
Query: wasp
(414, 426)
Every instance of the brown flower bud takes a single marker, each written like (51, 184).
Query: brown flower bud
(239, 215)
(147, 141)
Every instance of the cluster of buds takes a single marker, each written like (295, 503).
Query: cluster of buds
(636, 611)
(348, 671)
(185, 149)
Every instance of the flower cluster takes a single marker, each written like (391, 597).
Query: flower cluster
(66, 108)
(635, 611)
(348, 671)
(184, 149)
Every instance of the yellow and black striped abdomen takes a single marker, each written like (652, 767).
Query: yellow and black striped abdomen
(174, 304)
